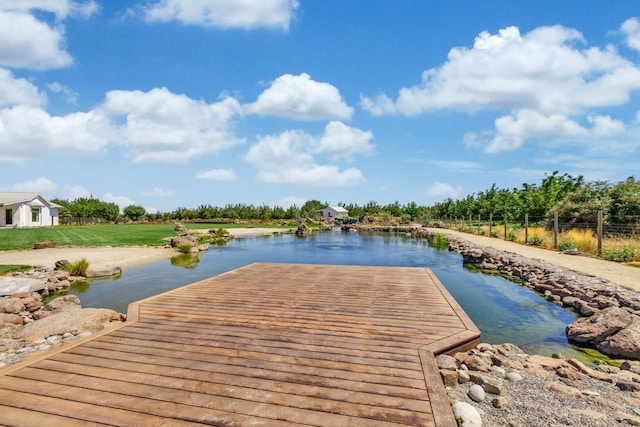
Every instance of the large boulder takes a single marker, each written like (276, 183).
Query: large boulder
(191, 239)
(70, 321)
(625, 343)
(302, 230)
(14, 285)
(600, 326)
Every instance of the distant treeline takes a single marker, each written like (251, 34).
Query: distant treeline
(575, 201)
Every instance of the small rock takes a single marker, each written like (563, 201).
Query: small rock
(489, 383)
(449, 377)
(463, 376)
(499, 402)
(513, 376)
(498, 371)
(631, 365)
(478, 362)
(466, 415)
(445, 361)
(476, 393)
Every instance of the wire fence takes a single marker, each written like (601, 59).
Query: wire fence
(527, 228)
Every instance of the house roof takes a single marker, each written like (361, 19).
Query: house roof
(16, 198)
(337, 209)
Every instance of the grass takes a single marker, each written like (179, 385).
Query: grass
(100, 235)
(78, 268)
(10, 268)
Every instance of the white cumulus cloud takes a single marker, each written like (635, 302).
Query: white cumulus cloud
(26, 42)
(217, 175)
(38, 185)
(69, 94)
(162, 126)
(546, 69)
(287, 158)
(442, 190)
(15, 91)
(301, 98)
(631, 29)
(340, 141)
(60, 8)
(243, 14)
(549, 80)
(27, 132)
(512, 130)
(121, 201)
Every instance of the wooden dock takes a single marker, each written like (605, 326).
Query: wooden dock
(263, 345)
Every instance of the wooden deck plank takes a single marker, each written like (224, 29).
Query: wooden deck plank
(266, 344)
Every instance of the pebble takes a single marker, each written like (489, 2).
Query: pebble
(476, 393)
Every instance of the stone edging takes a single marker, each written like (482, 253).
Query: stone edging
(610, 319)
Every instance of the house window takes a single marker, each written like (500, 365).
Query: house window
(35, 214)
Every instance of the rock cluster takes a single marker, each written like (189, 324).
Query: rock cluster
(611, 313)
(500, 385)
(190, 239)
(27, 325)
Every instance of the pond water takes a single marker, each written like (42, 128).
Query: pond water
(502, 310)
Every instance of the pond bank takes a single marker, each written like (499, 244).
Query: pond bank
(611, 313)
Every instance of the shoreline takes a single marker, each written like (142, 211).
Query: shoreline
(110, 257)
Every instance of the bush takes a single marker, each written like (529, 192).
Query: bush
(566, 246)
(618, 255)
(184, 248)
(536, 241)
(78, 268)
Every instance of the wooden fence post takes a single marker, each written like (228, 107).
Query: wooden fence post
(505, 227)
(600, 230)
(526, 229)
(478, 225)
(555, 230)
(490, 223)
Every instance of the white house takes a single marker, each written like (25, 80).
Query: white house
(27, 210)
(334, 212)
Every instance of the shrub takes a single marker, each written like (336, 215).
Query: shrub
(184, 248)
(566, 246)
(78, 268)
(618, 255)
(439, 241)
(536, 241)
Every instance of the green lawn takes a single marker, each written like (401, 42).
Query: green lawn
(88, 235)
(99, 235)
(10, 268)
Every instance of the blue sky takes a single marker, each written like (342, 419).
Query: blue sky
(178, 103)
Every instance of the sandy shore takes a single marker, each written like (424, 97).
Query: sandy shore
(108, 257)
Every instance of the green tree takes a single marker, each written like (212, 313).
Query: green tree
(134, 212)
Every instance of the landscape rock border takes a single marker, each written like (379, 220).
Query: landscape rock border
(610, 319)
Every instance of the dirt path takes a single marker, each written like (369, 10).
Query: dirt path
(622, 275)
